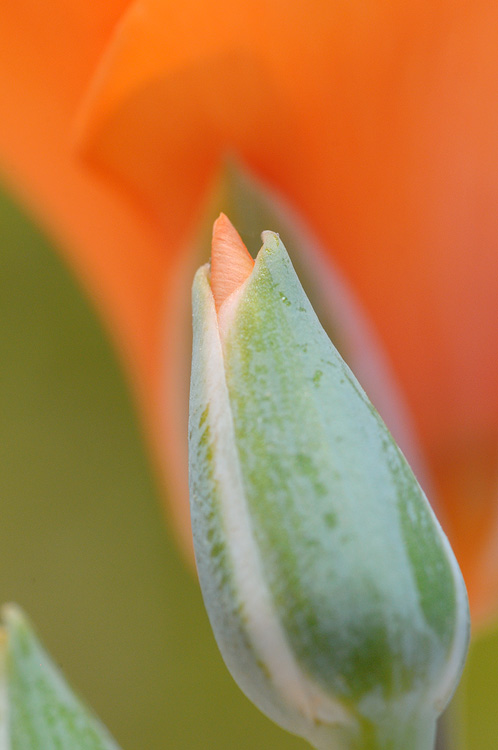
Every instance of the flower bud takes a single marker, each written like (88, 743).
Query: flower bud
(332, 591)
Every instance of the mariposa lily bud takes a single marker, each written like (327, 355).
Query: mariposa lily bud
(332, 591)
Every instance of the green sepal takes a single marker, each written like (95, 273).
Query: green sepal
(38, 710)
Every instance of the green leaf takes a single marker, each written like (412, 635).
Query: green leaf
(38, 710)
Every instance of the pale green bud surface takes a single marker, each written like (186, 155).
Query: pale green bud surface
(38, 710)
(332, 591)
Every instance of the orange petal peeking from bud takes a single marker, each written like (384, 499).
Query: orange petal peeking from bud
(231, 263)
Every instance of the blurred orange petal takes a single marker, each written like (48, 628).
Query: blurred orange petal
(48, 53)
(378, 122)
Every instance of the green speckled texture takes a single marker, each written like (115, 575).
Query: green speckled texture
(350, 547)
(43, 713)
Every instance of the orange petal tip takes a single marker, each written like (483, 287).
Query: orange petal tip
(231, 263)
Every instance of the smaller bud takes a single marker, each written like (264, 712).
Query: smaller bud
(332, 591)
(38, 711)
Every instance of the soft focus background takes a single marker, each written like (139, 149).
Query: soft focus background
(85, 546)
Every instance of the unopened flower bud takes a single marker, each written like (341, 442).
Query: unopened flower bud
(332, 591)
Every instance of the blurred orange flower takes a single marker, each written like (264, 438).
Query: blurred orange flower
(376, 120)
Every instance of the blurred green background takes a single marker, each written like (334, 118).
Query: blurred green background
(84, 547)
